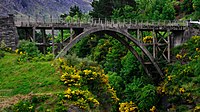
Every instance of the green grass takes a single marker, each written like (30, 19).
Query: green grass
(29, 77)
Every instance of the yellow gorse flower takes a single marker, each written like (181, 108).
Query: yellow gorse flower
(178, 56)
(169, 78)
(87, 72)
(17, 50)
(181, 90)
(21, 53)
(153, 109)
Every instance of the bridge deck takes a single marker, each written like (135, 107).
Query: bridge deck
(27, 22)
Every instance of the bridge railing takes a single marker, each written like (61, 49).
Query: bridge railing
(30, 21)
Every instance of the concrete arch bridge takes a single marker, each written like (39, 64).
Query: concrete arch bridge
(164, 36)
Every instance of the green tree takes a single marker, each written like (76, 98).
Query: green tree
(113, 58)
(168, 11)
(75, 10)
(144, 7)
(187, 6)
(126, 12)
(122, 3)
(101, 8)
(196, 6)
(104, 8)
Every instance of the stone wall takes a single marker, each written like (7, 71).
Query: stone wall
(8, 31)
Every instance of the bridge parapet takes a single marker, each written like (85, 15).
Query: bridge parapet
(27, 21)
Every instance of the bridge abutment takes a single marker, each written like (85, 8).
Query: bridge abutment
(8, 32)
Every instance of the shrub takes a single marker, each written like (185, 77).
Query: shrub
(29, 48)
(87, 84)
(1, 54)
(24, 106)
(29, 52)
(2, 45)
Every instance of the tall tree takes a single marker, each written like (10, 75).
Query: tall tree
(104, 8)
(126, 12)
(168, 12)
(101, 8)
(122, 3)
(196, 6)
(75, 10)
(186, 6)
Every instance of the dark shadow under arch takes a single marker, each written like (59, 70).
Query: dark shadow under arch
(115, 30)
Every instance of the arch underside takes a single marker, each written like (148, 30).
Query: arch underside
(125, 42)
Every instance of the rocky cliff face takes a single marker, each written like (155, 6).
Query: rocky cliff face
(41, 7)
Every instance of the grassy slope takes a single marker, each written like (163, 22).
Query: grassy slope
(34, 77)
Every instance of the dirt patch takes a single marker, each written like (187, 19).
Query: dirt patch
(7, 102)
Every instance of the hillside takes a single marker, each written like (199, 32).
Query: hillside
(42, 7)
(25, 78)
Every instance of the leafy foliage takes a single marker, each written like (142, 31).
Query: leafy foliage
(181, 83)
(75, 10)
(87, 85)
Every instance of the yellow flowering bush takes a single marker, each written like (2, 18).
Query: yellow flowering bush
(87, 85)
(196, 38)
(148, 39)
(83, 98)
(128, 107)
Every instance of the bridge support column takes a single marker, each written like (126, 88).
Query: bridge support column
(61, 31)
(53, 49)
(138, 34)
(71, 34)
(44, 40)
(169, 46)
(154, 44)
(34, 34)
(163, 45)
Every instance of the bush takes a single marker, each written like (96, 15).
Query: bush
(29, 48)
(29, 52)
(1, 54)
(87, 84)
(2, 45)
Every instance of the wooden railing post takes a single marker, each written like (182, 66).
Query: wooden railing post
(29, 20)
(99, 21)
(21, 20)
(51, 18)
(36, 19)
(154, 44)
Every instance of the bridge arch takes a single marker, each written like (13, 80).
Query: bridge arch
(125, 43)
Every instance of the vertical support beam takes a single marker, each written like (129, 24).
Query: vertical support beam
(34, 28)
(26, 32)
(62, 37)
(44, 40)
(141, 42)
(154, 44)
(169, 46)
(71, 34)
(138, 34)
(53, 49)
(99, 21)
